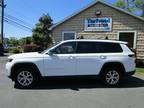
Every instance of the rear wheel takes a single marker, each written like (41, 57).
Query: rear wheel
(25, 78)
(111, 76)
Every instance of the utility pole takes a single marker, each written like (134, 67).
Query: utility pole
(2, 21)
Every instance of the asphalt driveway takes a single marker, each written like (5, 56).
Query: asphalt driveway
(72, 93)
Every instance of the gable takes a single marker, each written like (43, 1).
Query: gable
(92, 5)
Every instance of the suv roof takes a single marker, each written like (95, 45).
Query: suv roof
(94, 40)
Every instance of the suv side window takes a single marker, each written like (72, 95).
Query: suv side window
(66, 48)
(98, 47)
(106, 47)
(86, 47)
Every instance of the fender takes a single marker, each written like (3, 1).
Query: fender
(113, 64)
(23, 64)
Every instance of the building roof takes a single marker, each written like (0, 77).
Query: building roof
(90, 5)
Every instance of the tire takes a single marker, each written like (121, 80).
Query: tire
(111, 76)
(25, 78)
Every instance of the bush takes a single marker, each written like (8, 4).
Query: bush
(32, 48)
(16, 50)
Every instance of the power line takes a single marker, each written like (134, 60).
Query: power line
(10, 23)
(8, 19)
(12, 20)
(19, 15)
(18, 20)
(16, 24)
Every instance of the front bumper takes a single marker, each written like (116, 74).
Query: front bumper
(8, 69)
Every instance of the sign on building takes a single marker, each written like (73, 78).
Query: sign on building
(98, 24)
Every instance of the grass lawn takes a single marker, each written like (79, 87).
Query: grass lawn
(140, 71)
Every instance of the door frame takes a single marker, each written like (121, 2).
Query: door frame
(135, 36)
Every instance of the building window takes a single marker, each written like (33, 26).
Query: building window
(68, 35)
(128, 36)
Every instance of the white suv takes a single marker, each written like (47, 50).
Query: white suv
(110, 60)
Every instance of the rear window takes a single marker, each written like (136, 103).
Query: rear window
(109, 48)
(98, 47)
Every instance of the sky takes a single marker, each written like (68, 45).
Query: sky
(30, 11)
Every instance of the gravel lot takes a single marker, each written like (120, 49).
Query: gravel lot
(72, 93)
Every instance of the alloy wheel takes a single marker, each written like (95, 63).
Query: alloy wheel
(112, 77)
(25, 78)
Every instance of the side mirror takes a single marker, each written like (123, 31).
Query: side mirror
(51, 52)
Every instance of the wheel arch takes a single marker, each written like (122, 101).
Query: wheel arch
(24, 64)
(118, 65)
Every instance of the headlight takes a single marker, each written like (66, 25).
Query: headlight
(9, 60)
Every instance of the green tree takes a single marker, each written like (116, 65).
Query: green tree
(120, 4)
(25, 40)
(131, 5)
(13, 41)
(140, 6)
(22, 41)
(126, 4)
(28, 40)
(41, 33)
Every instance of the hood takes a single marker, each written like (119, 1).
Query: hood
(26, 55)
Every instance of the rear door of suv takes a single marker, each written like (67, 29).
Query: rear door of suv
(88, 61)
(91, 56)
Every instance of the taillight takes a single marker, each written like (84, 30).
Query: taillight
(132, 55)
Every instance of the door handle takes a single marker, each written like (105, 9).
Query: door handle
(103, 57)
(71, 57)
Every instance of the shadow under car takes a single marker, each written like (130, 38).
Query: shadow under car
(77, 83)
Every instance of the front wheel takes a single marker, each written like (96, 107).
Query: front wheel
(111, 76)
(25, 78)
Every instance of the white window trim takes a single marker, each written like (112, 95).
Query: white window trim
(135, 36)
(68, 32)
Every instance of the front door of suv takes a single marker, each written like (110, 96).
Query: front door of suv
(88, 60)
(61, 62)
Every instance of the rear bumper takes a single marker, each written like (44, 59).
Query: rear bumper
(130, 73)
